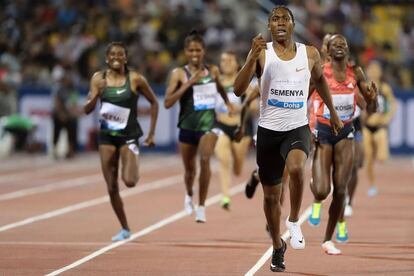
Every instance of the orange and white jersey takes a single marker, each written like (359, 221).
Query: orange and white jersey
(344, 96)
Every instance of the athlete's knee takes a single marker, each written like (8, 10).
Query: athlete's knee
(296, 171)
(190, 172)
(205, 159)
(340, 191)
(271, 199)
(130, 180)
(321, 193)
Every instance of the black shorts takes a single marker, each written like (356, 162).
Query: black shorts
(273, 148)
(117, 141)
(190, 136)
(325, 135)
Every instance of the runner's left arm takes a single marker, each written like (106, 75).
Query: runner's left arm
(322, 87)
(146, 90)
(220, 89)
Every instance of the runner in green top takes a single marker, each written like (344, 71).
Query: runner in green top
(195, 86)
(118, 88)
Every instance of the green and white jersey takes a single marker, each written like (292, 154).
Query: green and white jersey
(197, 104)
(118, 112)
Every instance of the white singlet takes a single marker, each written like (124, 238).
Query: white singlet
(284, 89)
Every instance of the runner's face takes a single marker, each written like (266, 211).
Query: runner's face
(338, 48)
(194, 52)
(116, 58)
(280, 25)
(228, 64)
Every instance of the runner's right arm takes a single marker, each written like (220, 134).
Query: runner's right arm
(254, 59)
(97, 84)
(174, 91)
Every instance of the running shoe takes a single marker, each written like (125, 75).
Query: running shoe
(225, 203)
(278, 258)
(315, 217)
(348, 211)
(122, 235)
(251, 185)
(188, 204)
(341, 232)
(297, 241)
(372, 191)
(201, 214)
(330, 249)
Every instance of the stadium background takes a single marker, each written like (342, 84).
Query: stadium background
(40, 41)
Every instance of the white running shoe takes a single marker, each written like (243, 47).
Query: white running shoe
(297, 241)
(372, 191)
(201, 214)
(330, 249)
(348, 211)
(188, 204)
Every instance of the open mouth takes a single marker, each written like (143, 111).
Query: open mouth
(281, 32)
(116, 63)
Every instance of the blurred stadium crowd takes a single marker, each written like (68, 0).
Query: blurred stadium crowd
(43, 40)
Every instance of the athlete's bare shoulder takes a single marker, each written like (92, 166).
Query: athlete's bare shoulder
(313, 53)
(98, 75)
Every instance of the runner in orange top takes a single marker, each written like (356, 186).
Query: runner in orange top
(336, 151)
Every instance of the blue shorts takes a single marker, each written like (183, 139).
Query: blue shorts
(325, 135)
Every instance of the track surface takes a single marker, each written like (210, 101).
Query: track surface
(56, 213)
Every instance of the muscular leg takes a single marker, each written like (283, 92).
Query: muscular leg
(369, 154)
(285, 182)
(188, 154)
(271, 206)
(109, 164)
(381, 142)
(223, 153)
(239, 153)
(295, 163)
(206, 149)
(321, 172)
(343, 158)
(130, 164)
(358, 157)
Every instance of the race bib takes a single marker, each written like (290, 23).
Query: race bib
(204, 96)
(344, 106)
(113, 117)
(286, 98)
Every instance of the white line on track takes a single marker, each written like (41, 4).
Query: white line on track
(157, 184)
(212, 200)
(76, 166)
(269, 251)
(68, 183)
(79, 181)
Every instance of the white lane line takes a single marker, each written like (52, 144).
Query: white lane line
(269, 251)
(73, 182)
(76, 166)
(212, 200)
(93, 202)
(50, 187)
